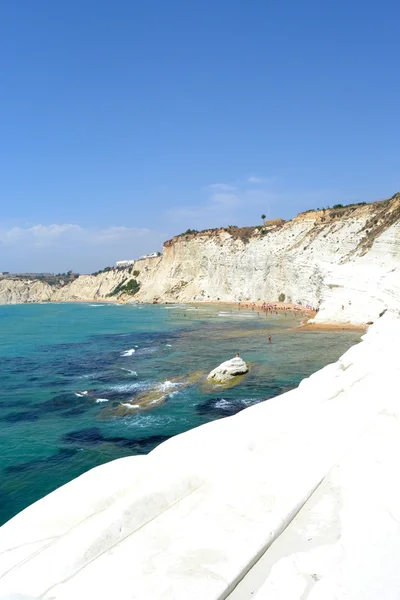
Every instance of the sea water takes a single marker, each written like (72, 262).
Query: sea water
(66, 368)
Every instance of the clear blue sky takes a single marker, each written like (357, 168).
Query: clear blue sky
(125, 122)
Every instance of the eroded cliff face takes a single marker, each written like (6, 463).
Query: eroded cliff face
(330, 259)
(24, 290)
(346, 261)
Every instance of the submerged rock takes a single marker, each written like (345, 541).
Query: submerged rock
(228, 370)
(153, 397)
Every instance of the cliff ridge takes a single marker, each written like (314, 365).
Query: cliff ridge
(329, 258)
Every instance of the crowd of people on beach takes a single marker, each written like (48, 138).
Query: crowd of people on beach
(275, 307)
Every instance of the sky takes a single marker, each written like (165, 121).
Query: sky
(125, 122)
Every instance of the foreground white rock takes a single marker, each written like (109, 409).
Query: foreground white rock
(319, 463)
(228, 370)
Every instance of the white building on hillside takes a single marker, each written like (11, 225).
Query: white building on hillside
(125, 263)
(152, 255)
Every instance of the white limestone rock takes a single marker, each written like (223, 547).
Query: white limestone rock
(345, 262)
(24, 291)
(228, 370)
(191, 518)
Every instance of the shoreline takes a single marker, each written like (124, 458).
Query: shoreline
(266, 307)
(305, 326)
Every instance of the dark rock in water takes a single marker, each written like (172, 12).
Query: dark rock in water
(6, 403)
(139, 445)
(75, 412)
(19, 364)
(224, 407)
(63, 402)
(16, 417)
(90, 435)
(218, 407)
(93, 436)
(55, 383)
(61, 454)
(39, 463)
(116, 394)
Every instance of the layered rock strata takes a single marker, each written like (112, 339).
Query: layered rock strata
(307, 482)
(344, 261)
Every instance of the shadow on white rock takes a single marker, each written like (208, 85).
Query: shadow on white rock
(227, 371)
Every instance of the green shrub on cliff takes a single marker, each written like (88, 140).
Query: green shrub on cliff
(130, 287)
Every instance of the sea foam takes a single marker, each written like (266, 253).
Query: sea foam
(128, 352)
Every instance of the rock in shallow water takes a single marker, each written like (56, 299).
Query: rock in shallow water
(228, 370)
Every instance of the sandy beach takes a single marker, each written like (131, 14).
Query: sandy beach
(305, 326)
(291, 308)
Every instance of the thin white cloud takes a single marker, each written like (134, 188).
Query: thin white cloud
(58, 247)
(252, 196)
(224, 205)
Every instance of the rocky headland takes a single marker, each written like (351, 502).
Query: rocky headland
(344, 261)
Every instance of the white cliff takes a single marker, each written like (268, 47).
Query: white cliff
(292, 498)
(326, 259)
(92, 287)
(329, 259)
(23, 291)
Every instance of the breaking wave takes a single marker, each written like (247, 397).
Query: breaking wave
(128, 352)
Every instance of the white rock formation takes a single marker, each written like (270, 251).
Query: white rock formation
(228, 370)
(308, 481)
(330, 259)
(24, 290)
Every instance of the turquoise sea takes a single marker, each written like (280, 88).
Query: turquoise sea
(58, 360)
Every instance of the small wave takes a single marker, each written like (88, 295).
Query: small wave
(222, 403)
(236, 315)
(130, 405)
(129, 387)
(97, 304)
(128, 352)
(251, 401)
(168, 345)
(149, 421)
(174, 307)
(81, 394)
(167, 385)
(99, 400)
(239, 402)
(134, 373)
(149, 350)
